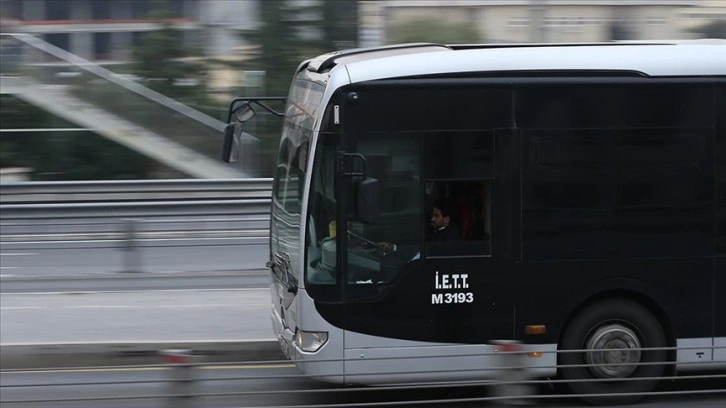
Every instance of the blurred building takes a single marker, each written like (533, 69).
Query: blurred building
(104, 31)
(545, 20)
(705, 13)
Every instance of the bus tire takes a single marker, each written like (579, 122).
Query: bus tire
(615, 323)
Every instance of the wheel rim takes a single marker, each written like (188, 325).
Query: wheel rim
(619, 351)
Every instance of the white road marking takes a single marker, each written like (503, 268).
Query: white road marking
(18, 254)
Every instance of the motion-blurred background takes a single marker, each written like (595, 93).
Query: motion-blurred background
(138, 89)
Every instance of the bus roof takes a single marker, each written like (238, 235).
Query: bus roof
(681, 58)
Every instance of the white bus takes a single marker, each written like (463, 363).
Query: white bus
(585, 186)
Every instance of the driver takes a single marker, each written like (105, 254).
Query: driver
(444, 228)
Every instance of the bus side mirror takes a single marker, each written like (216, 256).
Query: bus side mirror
(367, 200)
(241, 111)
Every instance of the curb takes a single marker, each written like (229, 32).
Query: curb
(88, 355)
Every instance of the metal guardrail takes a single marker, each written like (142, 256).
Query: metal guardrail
(185, 379)
(49, 211)
(58, 192)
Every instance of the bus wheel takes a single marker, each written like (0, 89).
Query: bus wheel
(625, 327)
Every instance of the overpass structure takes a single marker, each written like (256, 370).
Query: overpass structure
(118, 109)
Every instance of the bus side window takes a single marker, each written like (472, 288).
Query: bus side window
(467, 213)
(459, 168)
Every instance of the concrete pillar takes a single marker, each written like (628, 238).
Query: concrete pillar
(537, 11)
(371, 23)
(121, 42)
(81, 43)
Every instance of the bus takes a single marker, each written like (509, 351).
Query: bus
(586, 184)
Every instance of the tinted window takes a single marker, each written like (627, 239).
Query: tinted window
(459, 155)
(616, 170)
(720, 149)
(616, 192)
(379, 252)
(613, 106)
(459, 175)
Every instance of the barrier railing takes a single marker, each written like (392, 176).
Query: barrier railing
(49, 211)
(58, 192)
(186, 378)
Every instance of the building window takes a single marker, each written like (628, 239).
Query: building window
(102, 46)
(140, 9)
(58, 10)
(101, 9)
(60, 40)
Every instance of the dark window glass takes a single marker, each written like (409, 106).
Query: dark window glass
(616, 170)
(613, 106)
(720, 149)
(58, 10)
(459, 155)
(60, 40)
(459, 218)
(379, 252)
(138, 38)
(321, 226)
(11, 9)
(101, 9)
(427, 107)
(140, 9)
(459, 172)
(616, 193)
(181, 9)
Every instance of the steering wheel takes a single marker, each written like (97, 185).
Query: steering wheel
(367, 241)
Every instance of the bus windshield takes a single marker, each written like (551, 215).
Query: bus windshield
(302, 105)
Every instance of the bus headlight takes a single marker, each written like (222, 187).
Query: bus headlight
(310, 341)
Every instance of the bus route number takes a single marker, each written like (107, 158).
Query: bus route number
(448, 282)
(448, 298)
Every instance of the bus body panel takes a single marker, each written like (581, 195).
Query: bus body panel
(327, 363)
(666, 60)
(376, 360)
(605, 183)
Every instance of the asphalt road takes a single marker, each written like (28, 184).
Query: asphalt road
(274, 384)
(137, 316)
